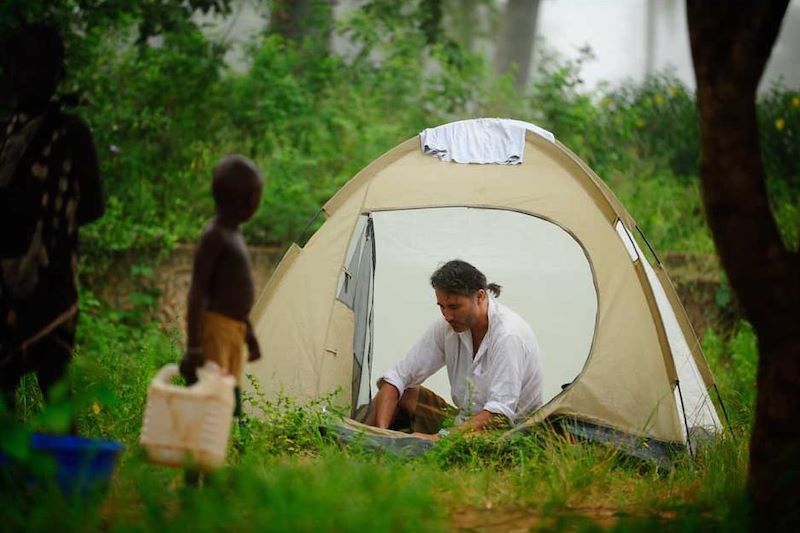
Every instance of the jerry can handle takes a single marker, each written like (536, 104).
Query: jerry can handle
(167, 373)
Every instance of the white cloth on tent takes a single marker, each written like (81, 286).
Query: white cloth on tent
(505, 377)
(480, 140)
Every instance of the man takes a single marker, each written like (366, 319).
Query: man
(490, 352)
(49, 186)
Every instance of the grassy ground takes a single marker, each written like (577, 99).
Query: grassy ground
(284, 475)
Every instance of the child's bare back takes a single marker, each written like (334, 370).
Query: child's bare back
(223, 254)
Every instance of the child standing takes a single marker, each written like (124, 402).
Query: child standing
(222, 293)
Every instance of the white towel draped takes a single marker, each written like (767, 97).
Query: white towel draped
(481, 140)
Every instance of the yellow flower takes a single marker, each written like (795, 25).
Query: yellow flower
(639, 123)
(672, 91)
(796, 102)
(96, 408)
(779, 124)
(658, 99)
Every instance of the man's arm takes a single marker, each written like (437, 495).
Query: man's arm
(505, 385)
(419, 363)
(85, 167)
(384, 405)
(208, 251)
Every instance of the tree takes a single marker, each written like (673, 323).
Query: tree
(731, 43)
(303, 20)
(517, 36)
(75, 19)
(430, 20)
(82, 15)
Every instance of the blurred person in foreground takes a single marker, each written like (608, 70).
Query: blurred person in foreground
(49, 186)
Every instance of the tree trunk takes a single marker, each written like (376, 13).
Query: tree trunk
(731, 43)
(298, 20)
(517, 37)
(431, 20)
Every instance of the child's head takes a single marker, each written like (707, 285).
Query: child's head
(34, 57)
(236, 187)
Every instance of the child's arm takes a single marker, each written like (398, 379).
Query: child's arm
(254, 352)
(204, 263)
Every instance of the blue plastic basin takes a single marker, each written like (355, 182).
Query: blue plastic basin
(82, 464)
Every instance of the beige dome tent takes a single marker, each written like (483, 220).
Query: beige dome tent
(621, 362)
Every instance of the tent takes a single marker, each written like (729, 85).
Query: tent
(621, 361)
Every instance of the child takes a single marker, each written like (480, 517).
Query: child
(222, 294)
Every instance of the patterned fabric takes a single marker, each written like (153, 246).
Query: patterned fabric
(39, 194)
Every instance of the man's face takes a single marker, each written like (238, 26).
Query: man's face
(461, 312)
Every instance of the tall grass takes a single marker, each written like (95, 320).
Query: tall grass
(285, 475)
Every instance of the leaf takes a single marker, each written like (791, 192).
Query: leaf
(15, 442)
(56, 418)
(723, 297)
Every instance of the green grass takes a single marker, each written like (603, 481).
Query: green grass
(284, 475)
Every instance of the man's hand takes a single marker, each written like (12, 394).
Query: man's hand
(484, 420)
(192, 359)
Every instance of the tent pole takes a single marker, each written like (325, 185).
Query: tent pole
(685, 421)
(371, 242)
(724, 412)
(313, 219)
(655, 255)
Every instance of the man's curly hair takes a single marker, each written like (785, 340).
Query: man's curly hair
(460, 277)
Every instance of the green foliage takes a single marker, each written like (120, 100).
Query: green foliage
(283, 427)
(779, 125)
(658, 120)
(734, 361)
(667, 210)
(147, 105)
(284, 474)
(164, 110)
(487, 451)
(74, 17)
(119, 351)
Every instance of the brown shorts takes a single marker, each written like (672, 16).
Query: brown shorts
(223, 342)
(431, 411)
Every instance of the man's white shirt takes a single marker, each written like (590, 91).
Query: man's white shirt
(504, 377)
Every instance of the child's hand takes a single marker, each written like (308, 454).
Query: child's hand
(188, 366)
(254, 352)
